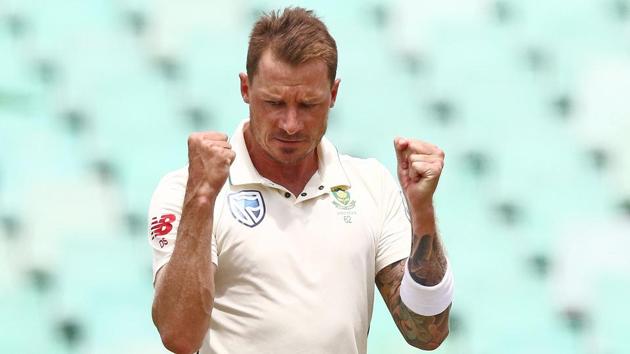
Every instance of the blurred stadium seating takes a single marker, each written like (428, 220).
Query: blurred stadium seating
(528, 99)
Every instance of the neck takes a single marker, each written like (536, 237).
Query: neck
(293, 177)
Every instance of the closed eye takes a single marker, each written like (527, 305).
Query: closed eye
(274, 103)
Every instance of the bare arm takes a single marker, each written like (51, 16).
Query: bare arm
(184, 289)
(419, 168)
(427, 266)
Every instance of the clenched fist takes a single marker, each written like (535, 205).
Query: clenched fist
(210, 156)
(419, 168)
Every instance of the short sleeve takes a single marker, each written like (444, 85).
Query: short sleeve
(165, 212)
(394, 240)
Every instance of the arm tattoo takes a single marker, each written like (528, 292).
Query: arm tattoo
(425, 332)
(427, 263)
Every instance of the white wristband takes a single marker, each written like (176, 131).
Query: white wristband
(427, 300)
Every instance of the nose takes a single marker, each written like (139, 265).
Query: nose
(290, 123)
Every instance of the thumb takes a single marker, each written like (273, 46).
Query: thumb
(400, 145)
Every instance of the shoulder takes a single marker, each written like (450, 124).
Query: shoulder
(175, 179)
(367, 170)
(359, 162)
(369, 176)
(172, 185)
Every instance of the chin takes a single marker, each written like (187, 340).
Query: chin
(288, 156)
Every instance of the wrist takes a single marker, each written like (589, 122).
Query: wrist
(201, 194)
(427, 300)
(422, 212)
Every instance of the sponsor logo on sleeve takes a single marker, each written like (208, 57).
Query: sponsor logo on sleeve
(162, 225)
(247, 207)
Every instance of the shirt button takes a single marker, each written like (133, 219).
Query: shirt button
(303, 194)
(321, 187)
(287, 194)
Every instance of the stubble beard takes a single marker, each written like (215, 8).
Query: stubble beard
(267, 150)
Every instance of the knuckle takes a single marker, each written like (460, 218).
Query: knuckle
(193, 138)
(216, 149)
(208, 136)
(217, 136)
(421, 143)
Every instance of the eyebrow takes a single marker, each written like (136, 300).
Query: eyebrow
(310, 98)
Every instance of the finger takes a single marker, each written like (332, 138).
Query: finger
(422, 147)
(214, 136)
(231, 155)
(424, 169)
(400, 145)
(201, 138)
(222, 158)
(217, 143)
(425, 158)
(209, 135)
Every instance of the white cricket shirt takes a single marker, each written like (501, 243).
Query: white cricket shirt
(295, 274)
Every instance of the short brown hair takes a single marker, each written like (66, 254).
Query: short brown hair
(295, 36)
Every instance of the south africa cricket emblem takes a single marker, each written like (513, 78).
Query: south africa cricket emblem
(343, 200)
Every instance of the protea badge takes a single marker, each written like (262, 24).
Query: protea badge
(342, 196)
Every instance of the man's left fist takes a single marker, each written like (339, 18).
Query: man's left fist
(419, 168)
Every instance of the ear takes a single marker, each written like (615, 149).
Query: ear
(244, 87)
(333, 92)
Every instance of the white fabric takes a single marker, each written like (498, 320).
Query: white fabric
(301, 280)
(427, 300)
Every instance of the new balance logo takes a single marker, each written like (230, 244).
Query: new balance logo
(161, 226)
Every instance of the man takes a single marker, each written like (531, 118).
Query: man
(270, 242)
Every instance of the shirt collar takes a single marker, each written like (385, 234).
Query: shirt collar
(243, 172)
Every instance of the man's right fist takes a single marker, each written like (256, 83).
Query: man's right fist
(210, 156)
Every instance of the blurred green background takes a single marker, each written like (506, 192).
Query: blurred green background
(529, 99)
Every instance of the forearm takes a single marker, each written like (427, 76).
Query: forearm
(184, 294)
(427, 262)
(427, 266)
(424, 332)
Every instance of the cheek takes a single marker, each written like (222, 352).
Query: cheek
(261, 126)
(318, 118)
(265, 114)
(259, 114)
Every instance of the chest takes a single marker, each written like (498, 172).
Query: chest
(262, 232)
